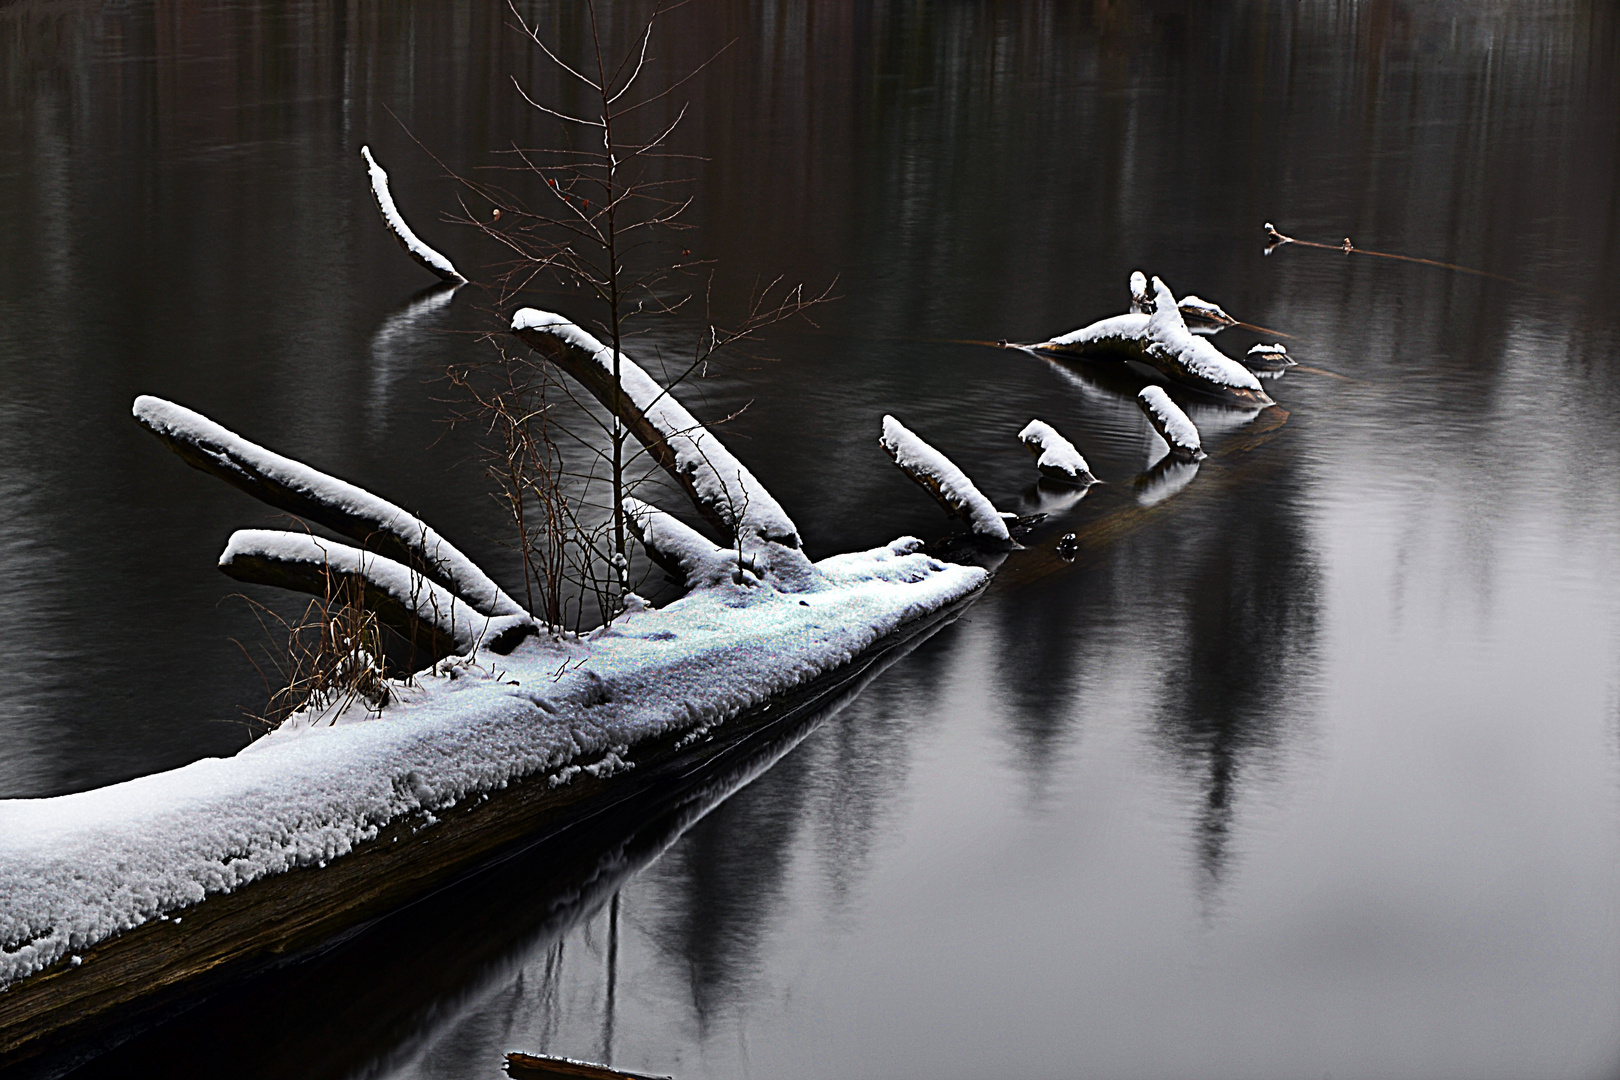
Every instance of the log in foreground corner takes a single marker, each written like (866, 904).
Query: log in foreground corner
(724, 491)
(938, 475)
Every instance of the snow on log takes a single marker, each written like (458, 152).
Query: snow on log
(400, 597)
(1056, 456)
(1268, 358)
(1191, 360)
(342, 507)
(1171, 423)
(680, 550)
(940, 477)
(1141, 299)
(1195, 307)
(724, 491)
(408, 240)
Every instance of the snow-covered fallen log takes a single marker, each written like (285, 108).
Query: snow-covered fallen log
(413, 245)
(400, 597)
(938, 475)
(93, 878)
(1056, 457)
(352, 511)
(721, 487)
(1171, 423)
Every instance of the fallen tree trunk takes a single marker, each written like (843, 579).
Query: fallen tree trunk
(289, 485)
(421, 611)
(939, 476)
(721, 487)
(425, 256)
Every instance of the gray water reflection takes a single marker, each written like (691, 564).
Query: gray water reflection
(1312, 769)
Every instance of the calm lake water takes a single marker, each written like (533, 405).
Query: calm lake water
(1315, 771)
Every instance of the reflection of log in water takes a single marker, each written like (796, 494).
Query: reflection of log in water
(376, 998)
(401, 346)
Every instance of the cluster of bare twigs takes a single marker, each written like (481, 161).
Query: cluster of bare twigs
(606, 223)
(325, 660)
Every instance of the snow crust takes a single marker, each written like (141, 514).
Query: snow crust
(719, 478)
(1057, 456)
(1170, 422)
(81, 868)
(396, 224)
(1170, 339)
(939, 474)
(235, 454)
(1130, 329)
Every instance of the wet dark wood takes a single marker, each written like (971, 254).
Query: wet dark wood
(533, 1067)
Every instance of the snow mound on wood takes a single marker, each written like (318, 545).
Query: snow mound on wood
(81, 868)
(1173, 425)
(1057, 456)
(1169, 337)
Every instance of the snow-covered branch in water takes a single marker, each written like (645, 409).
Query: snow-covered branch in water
(1268, 358)
(938, 475)
(400, 597)
(413, 245)
(311, 494)
(1171, 423)
(721, 487)
(1056, 456)
(683, 552)
(1183, 356)
(1160, 339)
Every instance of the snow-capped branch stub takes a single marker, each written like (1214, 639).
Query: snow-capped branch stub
(340, 506)
(399, 596)
(1187, 358)
(682, 551)
(724, 491)
(1056, 456)
(1171, 423)
(1141, 299)
(413, 245)
(1268, 358)
(939, 476)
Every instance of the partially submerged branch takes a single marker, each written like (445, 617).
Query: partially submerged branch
(413, 245)
(1173, 425)
(313, 495)
(1056, 457)
(681, 551)
(419, 610)
(938, 475)
(721, 487)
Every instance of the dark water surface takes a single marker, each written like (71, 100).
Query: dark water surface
(1314, 772)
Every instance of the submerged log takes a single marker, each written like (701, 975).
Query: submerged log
(402, 599)
(938, 475)
(1056, 456)
(351, 511)
(1173, 425)
(428, 258)
(1268, 358)
(521, 1066)
(721, 487)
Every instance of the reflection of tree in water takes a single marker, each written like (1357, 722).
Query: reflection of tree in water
(721, 888)
(1236, 643)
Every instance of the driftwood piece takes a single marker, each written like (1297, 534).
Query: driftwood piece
(1056, 457)
(939, 476)
(289, 485)
(428, 258)
(1173, 425)
(724, 491)
(402, 599)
